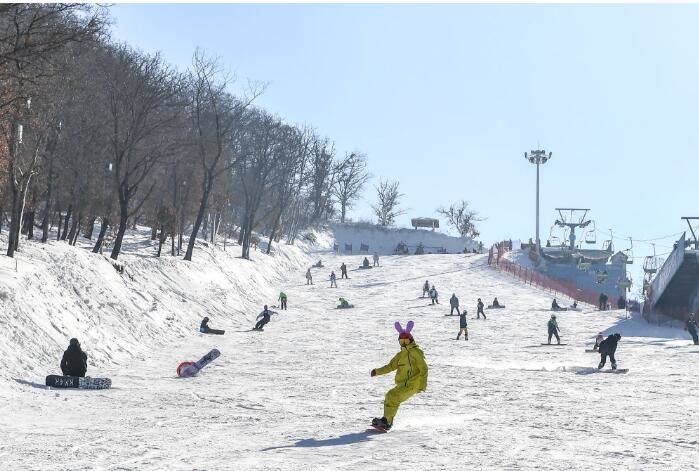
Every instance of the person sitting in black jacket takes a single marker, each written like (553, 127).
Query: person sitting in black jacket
(607, 349)
(74, 362)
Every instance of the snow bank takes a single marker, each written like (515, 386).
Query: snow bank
(384, 239)
(53, 292)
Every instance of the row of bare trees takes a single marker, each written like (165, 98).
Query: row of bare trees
(95, 134)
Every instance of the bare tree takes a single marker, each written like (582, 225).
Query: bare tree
(215, 117)
(386, 208)
(141, 99)
(461, 218)
(351, 176)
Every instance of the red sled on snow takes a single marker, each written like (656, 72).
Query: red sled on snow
(187, 369)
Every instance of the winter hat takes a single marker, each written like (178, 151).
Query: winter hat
(404, 333)
(74, 342)
(617, 336)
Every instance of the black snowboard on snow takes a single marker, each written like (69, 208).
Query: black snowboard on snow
(74, 382)
(213, 332)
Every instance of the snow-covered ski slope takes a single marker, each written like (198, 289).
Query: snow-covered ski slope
(298, 396)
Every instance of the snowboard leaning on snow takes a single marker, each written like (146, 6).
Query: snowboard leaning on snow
(188, 368)
(74, 382)
(618, 371)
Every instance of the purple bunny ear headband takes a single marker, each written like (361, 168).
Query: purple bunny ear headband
(404, 333)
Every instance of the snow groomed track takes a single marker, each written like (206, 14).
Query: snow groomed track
(299, 394)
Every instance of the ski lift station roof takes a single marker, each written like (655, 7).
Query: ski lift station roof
(425, 222)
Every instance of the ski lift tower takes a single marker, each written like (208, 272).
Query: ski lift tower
(689, 220)
(572, 218)
(538, 157)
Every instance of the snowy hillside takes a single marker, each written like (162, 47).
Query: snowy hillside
(298, 396)
(55, 292)
(384, 239)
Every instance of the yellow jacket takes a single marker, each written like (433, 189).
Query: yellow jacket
(411, 368)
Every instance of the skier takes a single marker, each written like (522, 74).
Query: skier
(463, 325)
(603, 302)
(344, 304)
(434, 296)
(309, 277)
(365, 263)
(282, 300)
(263, 318)
(553, 329)
(343, 270)
(454, 302)
(333, 279)
(411, 375)
(74, 361)
(608, 348)
(376, 259)
(480, 310)
(598, 341)
(426, 288)
(691, 327)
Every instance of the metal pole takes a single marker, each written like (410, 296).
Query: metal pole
(538, 242)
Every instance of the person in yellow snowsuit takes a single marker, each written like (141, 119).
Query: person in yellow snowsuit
(411, 375)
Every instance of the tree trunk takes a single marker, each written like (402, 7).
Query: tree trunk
(153, 233)
(90, 228)
(72, 235)
(208, 184)
(123, 222)
(100, 237)
(65, 225)
(60, 224)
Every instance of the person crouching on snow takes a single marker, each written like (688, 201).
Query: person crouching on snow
(607, 349)
(411, 375)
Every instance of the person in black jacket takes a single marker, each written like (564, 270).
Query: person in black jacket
(607, 349)
(74, 361)
(479, 309)
(603, 302)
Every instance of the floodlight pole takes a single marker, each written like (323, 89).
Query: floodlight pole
(537, 157)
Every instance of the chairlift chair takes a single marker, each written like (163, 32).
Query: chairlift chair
(650, 264)
(584, 266)
(624, 283)
(629, 253)
(602, 277)
(591, 234)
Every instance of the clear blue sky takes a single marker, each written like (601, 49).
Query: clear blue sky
(447, 98)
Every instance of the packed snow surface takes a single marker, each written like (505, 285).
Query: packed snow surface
(299, 396)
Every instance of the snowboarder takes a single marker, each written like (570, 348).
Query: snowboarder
(463, 325)
(480, 310)
(555, 306)
(434, 296)
(426, 288)
(282, 300)
(621, 303)
(598, 341)
(496, 303)
(344, 304)
(691, 327)
(319, 264)
(376, 259)
(454, 302)
(411, 375)
(553, 329)
(263, 318)
(74, 361)
(343, 271)
(205, 329)
(365, 263)
(607, 349)
(603, 302)
(333, 279)
(309, 277)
